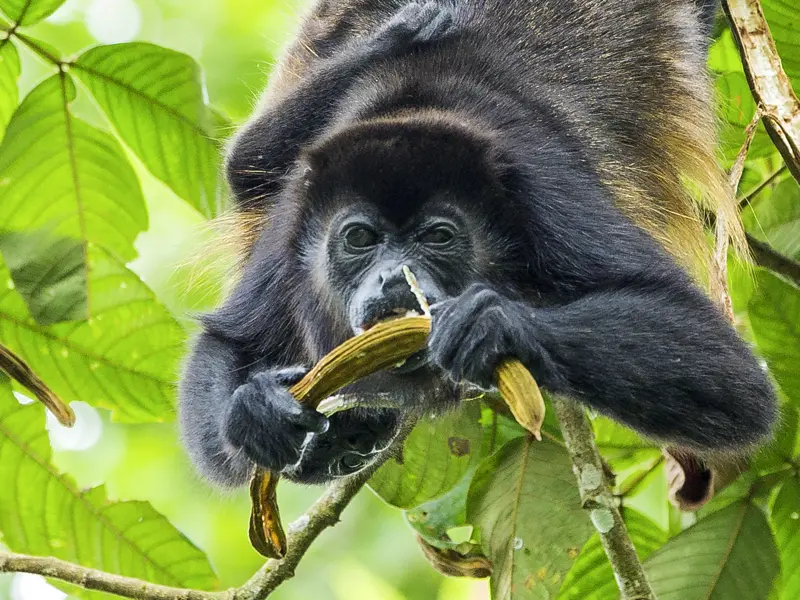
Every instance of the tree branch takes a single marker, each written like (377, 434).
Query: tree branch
(769, 84)
(597, 499)
(92, 579)
(324, 513)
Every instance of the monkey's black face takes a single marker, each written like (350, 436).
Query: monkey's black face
(366, 253)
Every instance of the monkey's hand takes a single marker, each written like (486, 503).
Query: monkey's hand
(267, 423)
(472, 334)
(415, 23)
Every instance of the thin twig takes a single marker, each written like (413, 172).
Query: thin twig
(597, 499)
(721, 231)
(766, 256)
(752, 195)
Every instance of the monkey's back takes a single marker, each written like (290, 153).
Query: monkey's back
(625, 77)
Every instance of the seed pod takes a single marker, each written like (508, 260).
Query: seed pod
(381, 347)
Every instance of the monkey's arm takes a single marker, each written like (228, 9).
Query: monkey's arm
(656, 355)
(659, 356)
(264, 151)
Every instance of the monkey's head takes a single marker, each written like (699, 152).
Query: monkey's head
(387, 194)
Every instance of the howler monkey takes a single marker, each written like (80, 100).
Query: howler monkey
(529, 161)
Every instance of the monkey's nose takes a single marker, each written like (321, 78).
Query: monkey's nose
(392, 276)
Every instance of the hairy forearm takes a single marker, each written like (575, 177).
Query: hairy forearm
(664, 362)
(214, 371)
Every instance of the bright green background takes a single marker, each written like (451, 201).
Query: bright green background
(736, 549)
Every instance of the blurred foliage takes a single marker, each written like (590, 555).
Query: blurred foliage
(108, 177)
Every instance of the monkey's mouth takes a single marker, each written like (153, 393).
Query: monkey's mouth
(395, 313)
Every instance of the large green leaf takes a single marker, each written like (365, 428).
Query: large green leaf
(776, 219)
(9, 73)
(783, 17)
(436, 519)
(61, 173)
(525, 501)
(775, 317)
(154, 98)
(591, 577)
(27, 12)
(49, 272)
(785, 519)
(729, 555)
(435, 457)
(43, 512)
(124, 358)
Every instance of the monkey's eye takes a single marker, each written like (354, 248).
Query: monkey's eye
(440, 235)
(359, 238)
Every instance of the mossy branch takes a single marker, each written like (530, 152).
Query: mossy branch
(598, 500)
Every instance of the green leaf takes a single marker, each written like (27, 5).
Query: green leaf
(611, 435)
(783, 17)
(775, 317)
(43, 512)
(785, 520)
(9, 74)
(28, 12)
(723, 56)
(432, 520)
(59, 172)
(49, 272)
(436, 519)
(729, 555)
(776, 219)
(435, 457)
(154, 98)
(124, 358)
(591, 577)
(525, 501)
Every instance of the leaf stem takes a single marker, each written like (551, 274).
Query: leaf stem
(37, 49)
